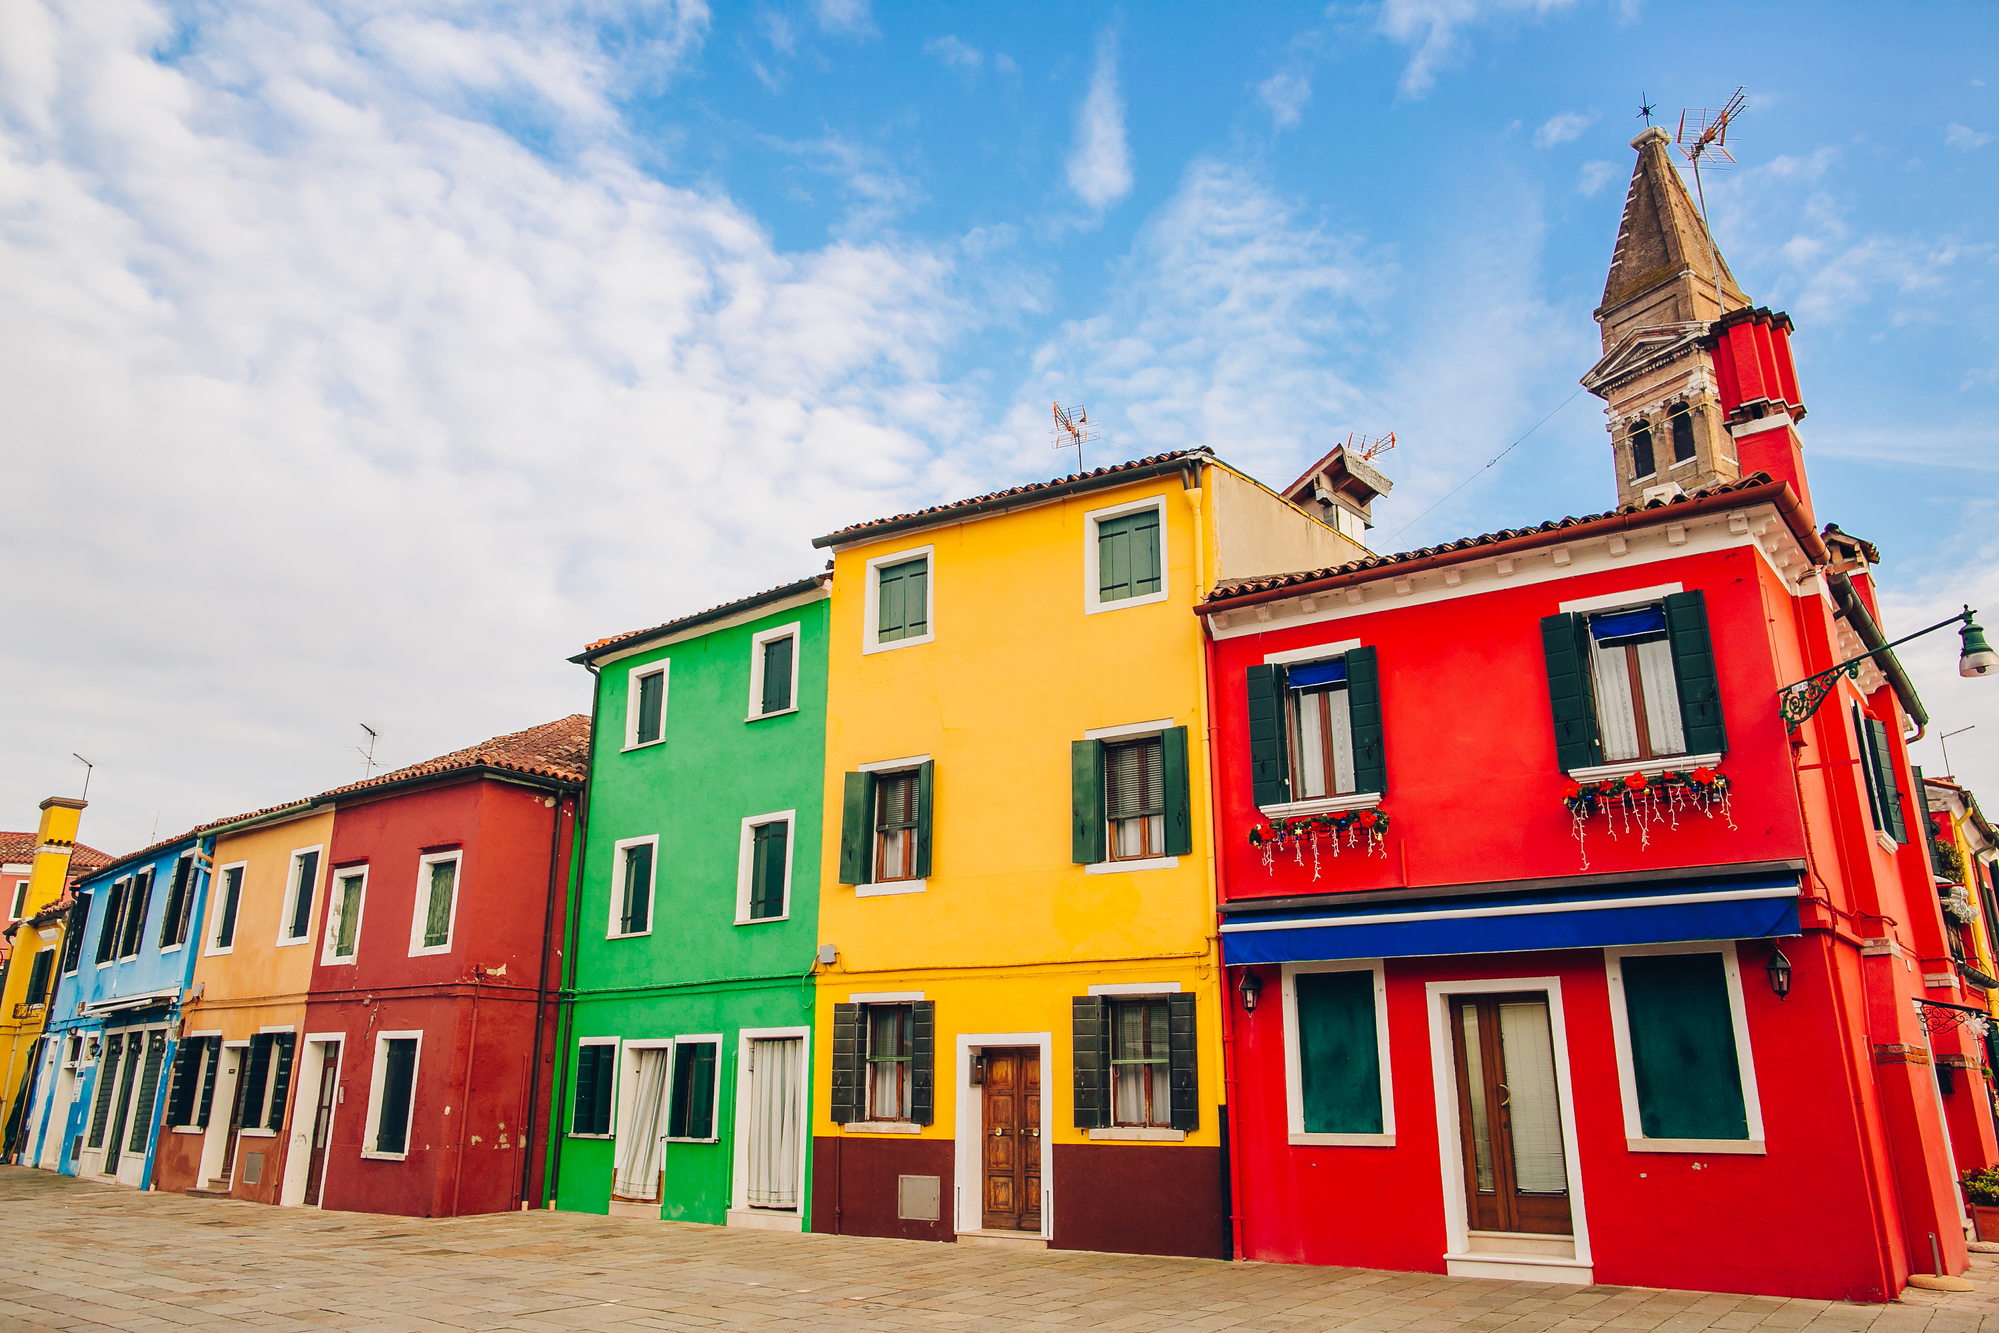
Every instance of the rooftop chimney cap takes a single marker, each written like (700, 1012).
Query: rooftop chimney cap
(68, 802)
(1651, 134)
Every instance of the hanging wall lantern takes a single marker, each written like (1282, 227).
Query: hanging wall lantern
(1249, 988)
(1779, 972)
(1977, 659)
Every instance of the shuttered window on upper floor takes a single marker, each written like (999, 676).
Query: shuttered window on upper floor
(1635, 683)
(1315, 728)
(903, 600)
(1128, 555)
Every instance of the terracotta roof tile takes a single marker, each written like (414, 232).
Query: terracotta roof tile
(754, 600)
(559, 750)
(20, 847)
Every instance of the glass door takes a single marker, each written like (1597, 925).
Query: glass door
(1510, 1115)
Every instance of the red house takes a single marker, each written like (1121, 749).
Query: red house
(434, 988)
(1558, 952)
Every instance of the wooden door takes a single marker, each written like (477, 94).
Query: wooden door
(242, 1058)
(1509, 1115)
(122, 1108)
(322, 1120)
(1012, 1138)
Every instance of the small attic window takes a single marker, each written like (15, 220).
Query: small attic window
(1642, 464)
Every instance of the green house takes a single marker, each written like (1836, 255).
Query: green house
(683, 1076)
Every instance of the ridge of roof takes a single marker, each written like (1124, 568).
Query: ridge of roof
(559, 750)
(1079, 481)
(686, 622)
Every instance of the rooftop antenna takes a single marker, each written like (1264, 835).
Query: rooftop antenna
(1703, 137)
(88, 769)
(1367, 450)
(367, 755)
(1072, 430)
(1944, 740)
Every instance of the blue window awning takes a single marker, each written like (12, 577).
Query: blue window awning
(1316, 673)
(1644, 622)
(1743, 908)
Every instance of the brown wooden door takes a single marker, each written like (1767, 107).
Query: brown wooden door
(242, 1054)
(1509, 1115)
(1012, 1138)
(322, 1120)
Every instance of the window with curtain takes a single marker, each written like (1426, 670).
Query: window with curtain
(889, 1051)
(1128, 556)
(440, 888)
(691, 1110)
(903, 600)
(1637, 695)
(1135, 798)
(1321, 730)
(651, 708)
(770, 846)
(346, 913)
(1141, 1064)
(635, 898)
(895, 826)
(776, 1131)
(640, 1153)
(777, 655)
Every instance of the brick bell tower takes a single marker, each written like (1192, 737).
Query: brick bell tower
(1689, 371)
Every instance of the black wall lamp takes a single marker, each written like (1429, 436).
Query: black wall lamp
(1250, 987)
(1779, 972)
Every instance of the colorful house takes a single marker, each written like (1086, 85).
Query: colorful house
(422, 1067)
(1017, 1019)
(685, 1065)
(1962, 849)
(1574, 927)
(127, 961)
(234, 1080)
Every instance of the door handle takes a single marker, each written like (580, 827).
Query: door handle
(1505, 1095)
(999, 1131)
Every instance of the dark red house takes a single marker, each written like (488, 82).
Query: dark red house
(1557, 951)
(424, 1070)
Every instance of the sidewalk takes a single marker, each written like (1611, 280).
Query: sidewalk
(92, 1256)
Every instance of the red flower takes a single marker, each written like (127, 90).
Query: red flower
(1703, 775)
(1368, 819)
(1635, 781)
(1572, 790)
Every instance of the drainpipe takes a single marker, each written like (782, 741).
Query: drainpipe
(579, 843)
(540, 1006)
(465, 1103)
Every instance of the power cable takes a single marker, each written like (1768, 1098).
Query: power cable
(1489, 464)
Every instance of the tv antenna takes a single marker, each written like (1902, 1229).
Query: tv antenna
(88, 769)
(1072, 430)
(1944, 740)
(1367, 450)
(1703, 137)
(367, 755)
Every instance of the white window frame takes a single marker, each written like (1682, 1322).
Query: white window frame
(610, 1133)
(871, 601)
(795, 632)
(892, 887)
(715, 1093)
(121, 889)
(611, 931)
(663, 668)
(744, 864)
(327, 957)
(1627, 1073)
(290, 902)
(20, 899)
(379, 1075)
(1092, 589)
(1294, 1072)
(220, 880)
(421, 911)
(1128, 731)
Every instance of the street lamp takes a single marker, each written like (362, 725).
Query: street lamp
(1779, 972)
(1800, 699)
(1249, 988)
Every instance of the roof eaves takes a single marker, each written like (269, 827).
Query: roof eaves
(630, 639)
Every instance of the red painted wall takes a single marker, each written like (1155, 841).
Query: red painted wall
(474, 1004)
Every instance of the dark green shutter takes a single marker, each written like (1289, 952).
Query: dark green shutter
(213, 1063)
(652, 701)
(1091, 1037)
(252, 1091)
(138, 902)
(701, 1093)
(176, 898)
(586, 1090)
(1884, 776)
(1128, 556)
(1693, 670)
(38, 976)
(1370, 759)
(392, 1131)
(1683, 1047)
(107, 1074)
(1339, 1052)
(107, 934)
(1269, 756)
(902, 600)
(1863, 740)
(1086, 802)
(847, 1059)
(186, 1082)
(308, 883)
(149, 1091)
(1565, 642)
(857, 829)
(1176, 774)
(281, 1080)
(1180, 1045)
(72, 939)
(777, 675)
(926, 781)
(923, 1061)
(232, 894)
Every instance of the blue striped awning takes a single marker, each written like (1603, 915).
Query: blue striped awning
(1749, 907)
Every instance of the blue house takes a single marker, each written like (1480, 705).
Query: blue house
(128, 959)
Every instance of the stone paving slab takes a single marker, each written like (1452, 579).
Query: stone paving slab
(87, 1257)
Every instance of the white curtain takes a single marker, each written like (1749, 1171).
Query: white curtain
(1311, 754)
(1614, 715)
(1320, 712)
(1662, 697)
(1535, 1111)
(776, 1078)
(638, 1139)
(1481, 1131)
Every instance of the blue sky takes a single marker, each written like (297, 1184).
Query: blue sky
(360, 362)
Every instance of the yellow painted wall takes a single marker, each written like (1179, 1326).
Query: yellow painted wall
(258, 984)
(55, 834)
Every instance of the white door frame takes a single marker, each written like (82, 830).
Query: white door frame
(298, 1156)
(1450, 1150)
(740, 1212)
(968, 1210)
(215, 1138)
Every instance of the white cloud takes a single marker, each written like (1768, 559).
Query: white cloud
(1436, 28)
(1596, 175)
(1286, 96)
(954, 52)
(1005, 64)
(1561, 129)
(1100, 163)
(876, 192)
(1964, 138)
(852, 16)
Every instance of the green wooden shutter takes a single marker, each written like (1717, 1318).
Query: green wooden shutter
(176, 896)
(701, 1093)
(1114, 559)
(392, 1131)
(138, 902)
(857, 829)
(926, 781)
(232, 894)
(72, 938)
(1339, 1052)
(845, 1105)
(1869, 772)
(107, 1073)
(256, 1075)
(1180, 1045)
(149, 1091)
(586, 1090)
(281, 1080)
(437, 920)
(38, 976)
(107, 933)
(652, 701)
(923, 1062)
(1370, 759)
(1177, 776)
(1884, 776)
(1086, 802)
(1269, 756)
(777, 675)
(1694, 672)
(1090, 1034)
(902, 600)
(308, 882)
(185, 1082)
(213, 1064)
(1565, 643)
(1683, 1047)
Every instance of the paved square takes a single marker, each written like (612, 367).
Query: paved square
(90, 1256)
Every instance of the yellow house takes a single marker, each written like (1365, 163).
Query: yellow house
(1018, 1018)
(28, 983)
(245, 1019)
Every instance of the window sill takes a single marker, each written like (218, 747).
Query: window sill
(1649, 767)
(670, 1139)
(1737, 1147)
(258, 1133)
(1145, 863)
(891, 888)
(169, 948)
(643, 745)
(389, 1156)
(223, 952)
(1092, 605)
(1887, 843)
(1323, 805)
(431, 951)
(189, 1129)
(632, 935)
(761, 920)
(293, 944)
(873, 646)
(1342, 1140)
(782, 712)
(1139, 1134)
(883, 1127)
(573, 1136)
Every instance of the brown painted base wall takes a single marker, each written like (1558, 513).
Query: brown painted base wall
(854, 1185)
(1136, 1198)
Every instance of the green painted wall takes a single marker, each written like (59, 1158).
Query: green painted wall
(698, 971)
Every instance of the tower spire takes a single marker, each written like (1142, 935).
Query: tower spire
(1662, 243)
